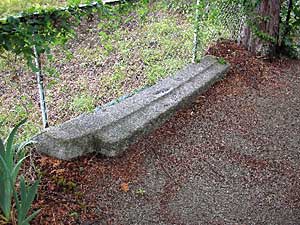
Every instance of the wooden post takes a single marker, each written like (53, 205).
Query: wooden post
(39, 79)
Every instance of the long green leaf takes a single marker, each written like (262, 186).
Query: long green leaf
(2, 149)
(23, 196)
(27, 195)
(15, 170)
(9, 141)
(29, 218)
(31, 193)
(9, 153)
(21, 146)
(17, 200)
(4, 166)
(6, 193)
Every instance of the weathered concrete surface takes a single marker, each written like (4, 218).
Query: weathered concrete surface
(110, 130)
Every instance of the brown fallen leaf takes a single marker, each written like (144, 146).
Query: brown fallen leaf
(125, 187)
(58, 171)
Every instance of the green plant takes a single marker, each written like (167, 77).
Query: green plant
(10, 163)
(180, 6)
(140, 191)
(23, 203)
(74, 214)
(16, 112)
(289, 40)
(283, 38)
(83, 103)
(64, 184)
(9, 7)
(155, 73)
(222, 61)
(11, 158)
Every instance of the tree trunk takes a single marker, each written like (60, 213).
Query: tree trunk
(261, 33)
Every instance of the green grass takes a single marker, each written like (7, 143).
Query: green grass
(83, 103)
(15, 115)
(11, 7)
(14, 7)
(163, 45)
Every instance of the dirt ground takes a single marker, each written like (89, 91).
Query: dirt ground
(232, 158)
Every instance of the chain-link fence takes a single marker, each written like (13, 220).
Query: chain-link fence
(136, 46)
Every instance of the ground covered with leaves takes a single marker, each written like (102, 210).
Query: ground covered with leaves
(231, 158)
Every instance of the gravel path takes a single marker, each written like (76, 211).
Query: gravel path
(231, 159)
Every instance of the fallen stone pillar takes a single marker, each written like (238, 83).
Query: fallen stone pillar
(111, 129)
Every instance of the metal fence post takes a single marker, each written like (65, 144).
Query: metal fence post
(196, 32)
(40, 78)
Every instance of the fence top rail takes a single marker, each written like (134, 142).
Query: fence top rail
(95, 4)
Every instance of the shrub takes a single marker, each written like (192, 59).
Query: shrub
(11, 158)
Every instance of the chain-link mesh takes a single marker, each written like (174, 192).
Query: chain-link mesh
(113, 57)
(219, 20)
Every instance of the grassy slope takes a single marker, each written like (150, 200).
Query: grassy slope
(106, 60)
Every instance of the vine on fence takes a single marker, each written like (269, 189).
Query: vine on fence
(221, 14)
(37, 30)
